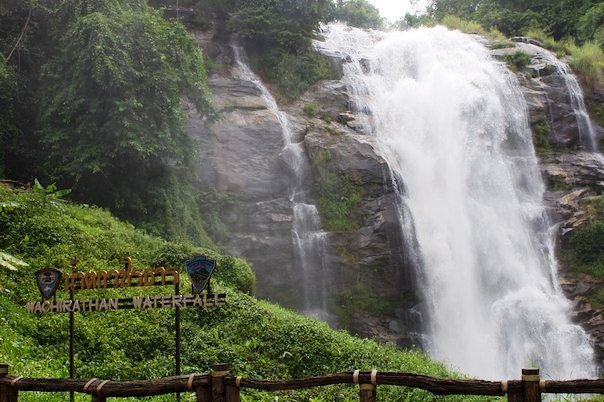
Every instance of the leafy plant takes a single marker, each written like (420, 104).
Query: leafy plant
(11, 263)
(588, 61)
(518, 60)
(256, 338)
(50, 192)
(357, 13)
(311, 109)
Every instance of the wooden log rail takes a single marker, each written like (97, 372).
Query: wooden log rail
(220, 386)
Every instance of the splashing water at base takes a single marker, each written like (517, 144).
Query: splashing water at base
(452, 125)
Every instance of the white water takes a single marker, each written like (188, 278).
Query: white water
(585, 127)
(308, 239)
(453, 127)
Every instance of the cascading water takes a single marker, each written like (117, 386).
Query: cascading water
(309, 240)
(452, 125)
(584, 124)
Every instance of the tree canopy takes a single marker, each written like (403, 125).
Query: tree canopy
(358, 13)
(580, 19)
(96, 104)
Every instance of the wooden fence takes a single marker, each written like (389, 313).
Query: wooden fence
(220, 386)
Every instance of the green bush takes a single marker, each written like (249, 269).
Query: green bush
(588, 61)
(456, 23)
(583, 251)
(339, 202)
(311, 109)
(257, 339)
(358, 13)
(292, 74)
(591, 25)
(517, 60)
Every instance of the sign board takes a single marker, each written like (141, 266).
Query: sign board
(200, 270)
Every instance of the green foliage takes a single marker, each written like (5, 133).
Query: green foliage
(97, 108)
(339, 203)
(11, 263)
(256, 338)
(541, 130)
(560, 48)
(454, 22)
(292, 74)
(501, 44)
(358, 13)
(120, 110)
(561, 19)
(584, 250)
(414, 21)
(311, 109)
(517, 60)
(588, 61)
(277, 35)
(338, 197)
(591, 25)
(7, 128)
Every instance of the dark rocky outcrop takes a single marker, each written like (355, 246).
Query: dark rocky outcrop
(240, 156)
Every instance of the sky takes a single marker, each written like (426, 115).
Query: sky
(394, 9)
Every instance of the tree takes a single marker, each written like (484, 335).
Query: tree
(112, 119)
(358, 13)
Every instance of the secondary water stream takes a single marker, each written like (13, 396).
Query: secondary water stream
(452, 124)
(309, 240)
(585, 127)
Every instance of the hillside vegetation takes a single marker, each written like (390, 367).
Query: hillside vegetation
(256, 338)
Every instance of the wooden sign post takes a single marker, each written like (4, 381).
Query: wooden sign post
(199, 269)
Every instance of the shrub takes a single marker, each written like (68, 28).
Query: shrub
(456, 23)
(588, 61)
(358, 13)
(517, 60)
(560, 48)
(292, 74)
(311, 109)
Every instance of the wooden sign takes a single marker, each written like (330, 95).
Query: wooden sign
(200, 270)
(124, 278)
(136, 302)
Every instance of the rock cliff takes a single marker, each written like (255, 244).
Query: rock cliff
(372, 280)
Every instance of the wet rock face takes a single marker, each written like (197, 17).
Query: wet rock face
(240, 155)
(373, 284)
(374, 287)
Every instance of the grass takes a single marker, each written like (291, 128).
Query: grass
(588, 61)
(560, 48)
(517, 60)
(256, 338)
(471, 27)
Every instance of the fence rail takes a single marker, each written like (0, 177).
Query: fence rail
(220, 386)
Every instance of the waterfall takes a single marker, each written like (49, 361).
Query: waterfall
(584, 124)
(452, 125)
(308, 239)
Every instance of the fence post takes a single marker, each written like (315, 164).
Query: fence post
(233, 394)
(7, 393)
(203, 393)
(367, 392)
(530, 385)
(219, 371)
(98, 398)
